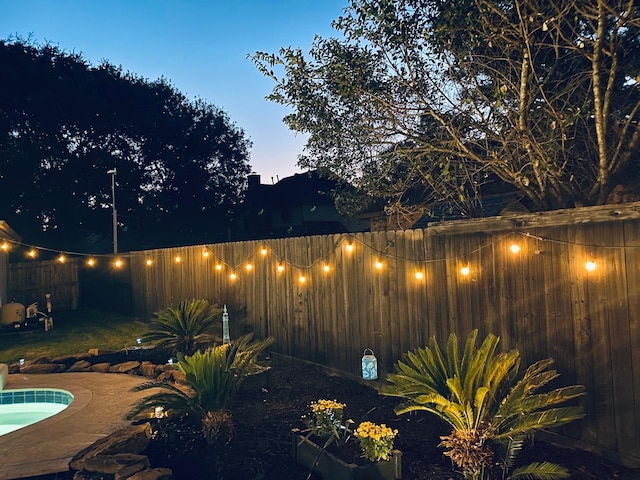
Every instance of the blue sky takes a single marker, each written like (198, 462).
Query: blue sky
(199, 45)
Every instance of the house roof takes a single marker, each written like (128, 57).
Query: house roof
(7, 232)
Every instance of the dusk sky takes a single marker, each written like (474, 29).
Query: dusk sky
(200, 46)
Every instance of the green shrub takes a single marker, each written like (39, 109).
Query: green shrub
(183, 329)
(491, 407)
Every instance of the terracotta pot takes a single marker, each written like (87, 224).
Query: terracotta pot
(305, 452)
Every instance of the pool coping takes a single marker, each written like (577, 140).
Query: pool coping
(101, 401)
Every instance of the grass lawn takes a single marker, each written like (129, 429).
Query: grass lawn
(73, 332)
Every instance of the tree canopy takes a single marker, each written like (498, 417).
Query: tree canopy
(423, 101)
(181, 164)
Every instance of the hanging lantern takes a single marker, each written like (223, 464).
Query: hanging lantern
(369, 365)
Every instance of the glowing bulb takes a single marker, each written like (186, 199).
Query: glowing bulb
(91, 262)
(205, 254)
(590, 265)
(280, 268)
(62, 259)
(465, 270)
(149, 262)
(515, 248)
(302, 279)
(32, 253)
(263, 251)
(378, 264)
(419, 275)
(233, 276)
(178, 259)
(326, 268)
(249, 267)
(118, 263)
(349, 247)
(5, 246)
(218, 267)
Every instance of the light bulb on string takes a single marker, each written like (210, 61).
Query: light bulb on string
(248, 267)
(177, 259)
(263, 251)
(349, 246)
(419, 275)
(302, 279)
(464, 269)
(205, 253)
(148, 262)
(32, 253)
(378, 265)
(233, 276)
(218, 267)
(280, 268)
(91, 262)
(326, 268)
(515, 248)
(62, 258)
(118, 263)
(5, 246)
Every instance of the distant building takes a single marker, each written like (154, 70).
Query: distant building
(295, 206)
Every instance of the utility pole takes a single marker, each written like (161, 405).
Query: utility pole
(113, 206)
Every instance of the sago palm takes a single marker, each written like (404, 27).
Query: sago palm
(491, 407)
(183, 329)
(211, 380)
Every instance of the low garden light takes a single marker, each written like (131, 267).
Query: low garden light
(225, 326)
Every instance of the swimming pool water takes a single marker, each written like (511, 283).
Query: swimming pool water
(20, 408)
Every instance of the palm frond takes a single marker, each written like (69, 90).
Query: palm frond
(540, 471)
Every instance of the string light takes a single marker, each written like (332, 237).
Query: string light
(218, 266)
(302, 279)
(280, 268)
(515, 248)
(350, 247)
(118, 263)
(419, 275)
(149, 262)
(205, 253)
(91, 262)
(178, 259)
(378, 265)
(32, 253)
(248, 267)
(62, 258)
(233, 276)
(464, 269)
(590, 265)
(326, 268)
(5, 246)
(263, 251)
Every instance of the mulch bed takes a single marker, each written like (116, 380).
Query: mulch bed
(263, 419)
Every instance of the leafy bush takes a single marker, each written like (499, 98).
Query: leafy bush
(185, 328)
(490, 406)
(212, 379)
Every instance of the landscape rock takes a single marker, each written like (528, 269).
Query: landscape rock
(70, 359)
(153, 474)
(80, 366)
(85, 475)
(41, 368)
(14, 368)
(132, 439)
(148, 369)
(95, 352)
(101, 367)
(124, 367)
(41, 360)
(118, 462)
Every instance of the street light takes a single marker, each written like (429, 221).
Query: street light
(113, 206)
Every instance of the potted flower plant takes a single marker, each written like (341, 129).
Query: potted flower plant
(323, 446)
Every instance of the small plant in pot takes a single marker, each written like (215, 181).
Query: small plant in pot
(332, 447)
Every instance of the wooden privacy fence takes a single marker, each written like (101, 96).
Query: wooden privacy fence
(31, 281)
(393, 290)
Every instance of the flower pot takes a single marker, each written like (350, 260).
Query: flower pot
(305, 452)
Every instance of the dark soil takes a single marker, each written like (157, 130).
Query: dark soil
(263, 419)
